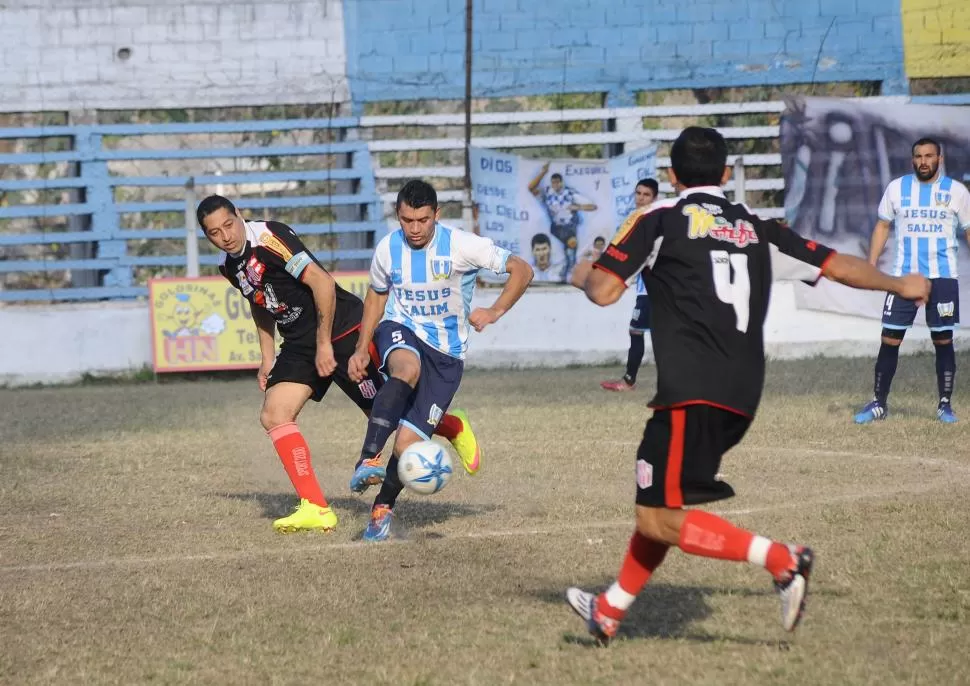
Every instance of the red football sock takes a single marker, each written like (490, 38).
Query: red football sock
(642, 558)
(708, 535)
(295, 455)
(449, 427)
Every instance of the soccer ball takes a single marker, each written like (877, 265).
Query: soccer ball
(425, 467)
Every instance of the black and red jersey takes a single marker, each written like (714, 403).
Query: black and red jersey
(269, 273)
(708, 265)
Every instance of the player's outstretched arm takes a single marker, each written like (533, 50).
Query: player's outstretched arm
(858, 273)
(374, 304)
(266, 332)
(520, 276)
(601, 287)
(534, 184)
(877, 243)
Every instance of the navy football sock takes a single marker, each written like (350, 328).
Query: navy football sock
(634, 358)
(885, 371)
(389, 406)
(391, 487)
(946, 370)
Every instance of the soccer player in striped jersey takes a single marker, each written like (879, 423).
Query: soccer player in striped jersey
(929, 211)
(418, 312)
(643, 196)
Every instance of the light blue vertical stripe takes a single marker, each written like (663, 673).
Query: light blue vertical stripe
(431, 331)
(943, 258)
(419, 266)
(468, 290)
(906, 191)
(443, 248)
(923, 252)
(925, 194)
(946, 183)
(907, 255)
(454, 340)
(397, 251)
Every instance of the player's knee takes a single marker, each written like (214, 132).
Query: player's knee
(272, 416)
(650, 524)
(893, 336)
(408, 373)
(941, 337)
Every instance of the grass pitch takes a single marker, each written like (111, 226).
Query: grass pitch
(136, 542)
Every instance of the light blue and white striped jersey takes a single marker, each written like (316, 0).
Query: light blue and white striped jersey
(431, 288)
(928, 218)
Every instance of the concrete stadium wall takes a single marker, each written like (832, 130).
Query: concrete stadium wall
(60, 343)
(64, 54)
(410, 49)
(936, 36)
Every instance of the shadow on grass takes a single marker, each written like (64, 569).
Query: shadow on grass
(414, 513)
(667, 612)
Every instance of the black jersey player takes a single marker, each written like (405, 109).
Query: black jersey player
(708, 265)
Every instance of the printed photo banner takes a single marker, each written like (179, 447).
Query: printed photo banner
(204, 324)
(838, 158)
(552, 213)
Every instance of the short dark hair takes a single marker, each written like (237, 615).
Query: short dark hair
(599, 239)
(698, 157)
(557, 175)
(540, 239)
(210, 205)
(927, 141)
(651, 184)
(417, 193)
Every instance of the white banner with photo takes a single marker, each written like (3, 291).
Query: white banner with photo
(553, 213)
(838, 157)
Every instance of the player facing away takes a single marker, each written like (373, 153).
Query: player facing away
(929, 211)
(708, 265)
(319, 322)
(643, 196)
(418, 311)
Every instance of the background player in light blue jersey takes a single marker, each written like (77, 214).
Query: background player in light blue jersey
(929, 211)
(418, 311)
(644, 195)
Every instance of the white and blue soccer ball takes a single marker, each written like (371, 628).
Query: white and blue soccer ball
(425, 467)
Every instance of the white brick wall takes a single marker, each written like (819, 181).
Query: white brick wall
(62, 54)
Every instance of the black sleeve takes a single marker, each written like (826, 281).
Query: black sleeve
(283, 243)
(631, 247)
(793, 258)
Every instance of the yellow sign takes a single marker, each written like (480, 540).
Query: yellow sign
(204, 324)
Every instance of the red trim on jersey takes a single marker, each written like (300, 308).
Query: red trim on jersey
(673, 495)
(334, 339)
(597, 265)
(821, 270)
(688, 403)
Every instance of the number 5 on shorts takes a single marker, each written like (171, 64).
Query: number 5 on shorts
(397, 336)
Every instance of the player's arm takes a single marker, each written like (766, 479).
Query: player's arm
(374, 304)
(534, 184)
(880, 233)
(820, 260)
(324, 290)
(520, 276)
(877, 243)
(625, 257)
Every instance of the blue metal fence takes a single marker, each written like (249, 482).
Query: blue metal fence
(92, 158)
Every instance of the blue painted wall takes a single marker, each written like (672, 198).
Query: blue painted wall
(412, 49)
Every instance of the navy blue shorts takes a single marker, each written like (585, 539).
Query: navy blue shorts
(437, 385)
(641, 314)
(942, 310)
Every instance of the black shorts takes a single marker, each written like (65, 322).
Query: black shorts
(297, 364)
(640, 321)
(681, 454)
